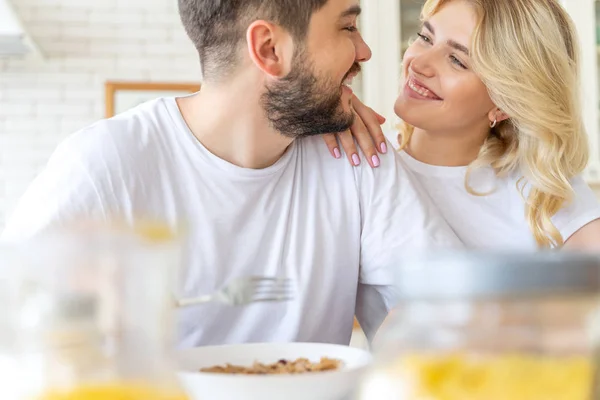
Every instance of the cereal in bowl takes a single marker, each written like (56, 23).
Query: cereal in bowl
(298, 366)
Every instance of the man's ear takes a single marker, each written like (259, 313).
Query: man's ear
(270, 48)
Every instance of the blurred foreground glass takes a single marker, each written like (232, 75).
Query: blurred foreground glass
(491, 327)
(86, 315)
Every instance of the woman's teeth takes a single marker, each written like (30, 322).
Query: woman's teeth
(421, 90)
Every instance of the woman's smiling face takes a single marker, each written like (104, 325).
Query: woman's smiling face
(440, 90)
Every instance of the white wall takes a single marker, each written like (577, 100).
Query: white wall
(87, 42)
(380, 27)
(583, 13)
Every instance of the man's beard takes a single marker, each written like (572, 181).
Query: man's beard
(301, 104)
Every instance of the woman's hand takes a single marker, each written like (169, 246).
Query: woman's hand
(366, 129)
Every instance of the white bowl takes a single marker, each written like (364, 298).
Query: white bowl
(327, 385)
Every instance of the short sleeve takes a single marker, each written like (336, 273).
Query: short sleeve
(75, 185)
(584, 209)
(398, 217)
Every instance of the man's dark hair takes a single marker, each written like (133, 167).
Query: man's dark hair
(218, 27)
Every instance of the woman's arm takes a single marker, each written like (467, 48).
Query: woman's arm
(579, 220)
(366, 131)
(587, 238)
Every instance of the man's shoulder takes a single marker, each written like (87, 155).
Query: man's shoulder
(123, 138)
(391, 178)
(94, 174)
(315, 148)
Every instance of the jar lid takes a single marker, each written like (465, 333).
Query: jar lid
(459, 275)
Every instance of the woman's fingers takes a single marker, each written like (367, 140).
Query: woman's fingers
(364, 139)
(371, 121)
(347, 141)
(332, 144)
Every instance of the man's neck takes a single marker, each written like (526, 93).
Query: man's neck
(232, 125)
(443, 148)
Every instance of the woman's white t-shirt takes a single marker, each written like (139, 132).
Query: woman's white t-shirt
(496, 220)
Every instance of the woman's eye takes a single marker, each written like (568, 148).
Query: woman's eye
(456, 61)
(424, 38)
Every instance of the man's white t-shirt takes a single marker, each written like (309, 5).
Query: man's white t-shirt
(496, 220)
(334, 229)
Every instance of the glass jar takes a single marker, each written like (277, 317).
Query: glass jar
(480, 326)
(88, 315)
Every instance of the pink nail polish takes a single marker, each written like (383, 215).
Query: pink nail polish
(383, 147)
(336, 153)
(375, 160)
(355, 159)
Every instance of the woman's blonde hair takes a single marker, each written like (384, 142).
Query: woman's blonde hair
(525, 52)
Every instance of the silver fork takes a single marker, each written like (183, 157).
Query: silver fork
(246, 290)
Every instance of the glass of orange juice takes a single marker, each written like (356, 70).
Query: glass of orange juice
(89, 314)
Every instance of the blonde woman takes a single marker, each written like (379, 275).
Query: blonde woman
(492, 123)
